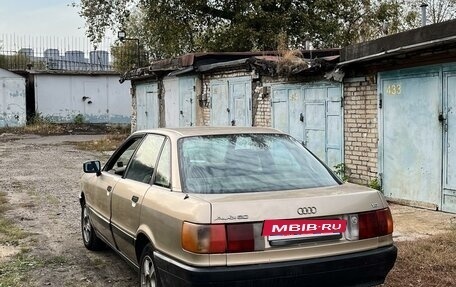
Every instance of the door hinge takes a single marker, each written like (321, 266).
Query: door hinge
(342, 102)
(380, 100)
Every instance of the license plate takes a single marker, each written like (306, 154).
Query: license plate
(299, 236)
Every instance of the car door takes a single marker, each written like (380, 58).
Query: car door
(99, 197)
(129, 192)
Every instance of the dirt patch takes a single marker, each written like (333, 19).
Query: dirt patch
(415, 223)
(7, 252)
(41, 183)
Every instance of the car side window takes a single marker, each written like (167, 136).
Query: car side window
(120, 162)
(163, 175)
(143, 163)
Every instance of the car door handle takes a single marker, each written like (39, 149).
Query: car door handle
(134, 201)
(108, 190)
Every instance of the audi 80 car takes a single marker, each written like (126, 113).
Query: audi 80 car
(234, 207)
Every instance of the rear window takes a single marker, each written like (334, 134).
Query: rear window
(248, 163)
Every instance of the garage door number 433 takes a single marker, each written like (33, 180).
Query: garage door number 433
(393, 90)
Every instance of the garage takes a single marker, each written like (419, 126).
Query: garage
(231, 99)
(12, 100)
(180, 101)
(312, 113)
(417, 148)
(147, 106)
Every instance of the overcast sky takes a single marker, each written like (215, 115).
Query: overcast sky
(41, 19)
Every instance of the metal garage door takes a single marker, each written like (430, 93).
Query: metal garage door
(147, 106)
(187, 100)
(312, 113)
(231, 102)
(449, 117)
(411, 145)
(180, 101)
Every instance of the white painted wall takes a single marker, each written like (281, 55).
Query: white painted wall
(99, 98)
(12, 100)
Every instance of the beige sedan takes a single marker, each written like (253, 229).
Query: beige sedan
(234, 207)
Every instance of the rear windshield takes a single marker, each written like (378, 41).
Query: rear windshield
(248, 163)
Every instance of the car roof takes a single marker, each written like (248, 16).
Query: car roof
(202, 131)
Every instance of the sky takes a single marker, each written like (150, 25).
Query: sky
(40, 17)
(52, 19)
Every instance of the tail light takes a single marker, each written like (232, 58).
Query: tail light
(204, 238)
(221, 238)
(369, 224)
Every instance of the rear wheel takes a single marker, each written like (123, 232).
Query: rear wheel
(148, 272)
(91, 240)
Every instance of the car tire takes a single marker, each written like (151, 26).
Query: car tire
(148, 276)
(89, 237)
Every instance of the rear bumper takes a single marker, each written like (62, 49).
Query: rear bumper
(366, 268)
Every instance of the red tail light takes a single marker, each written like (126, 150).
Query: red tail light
(375, 223)
(220, 238)
(240, 238)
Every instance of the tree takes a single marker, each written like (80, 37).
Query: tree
(437, 11)
(171, 27)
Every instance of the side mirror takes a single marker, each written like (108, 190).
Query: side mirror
(93, 166)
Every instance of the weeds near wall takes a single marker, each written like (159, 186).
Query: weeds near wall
(340, 170)
(79, 119)
(375, 184)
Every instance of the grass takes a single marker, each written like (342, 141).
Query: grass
(13, 272)
(36, 125)
(3, 202)
(44, 126)
(108, 143)
(426, 262)
(11, 233)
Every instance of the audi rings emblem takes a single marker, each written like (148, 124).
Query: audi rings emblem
(307, 210)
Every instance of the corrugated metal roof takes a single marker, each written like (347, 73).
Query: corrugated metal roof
(216, 61)
(229, 64)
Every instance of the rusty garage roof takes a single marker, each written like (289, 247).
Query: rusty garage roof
(268, 62)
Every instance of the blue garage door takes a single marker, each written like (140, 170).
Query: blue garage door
(147, 106)
(312, 113)
(449, 122)
(231, 102)
(412, 135)
(418, 135)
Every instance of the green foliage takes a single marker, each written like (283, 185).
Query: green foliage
(167, 28)
(340, 169)
(38, 119)
(375, 184)
(13, 273)
(79, 119)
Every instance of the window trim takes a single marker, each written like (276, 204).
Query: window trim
(145, 135)
(170, 164)
(122, 149)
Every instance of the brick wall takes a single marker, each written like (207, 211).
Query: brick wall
(133, 109)
(360, 129)
(261, 107)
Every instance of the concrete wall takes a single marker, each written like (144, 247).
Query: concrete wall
(12, 100)
(98, 98)
(361, 129)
